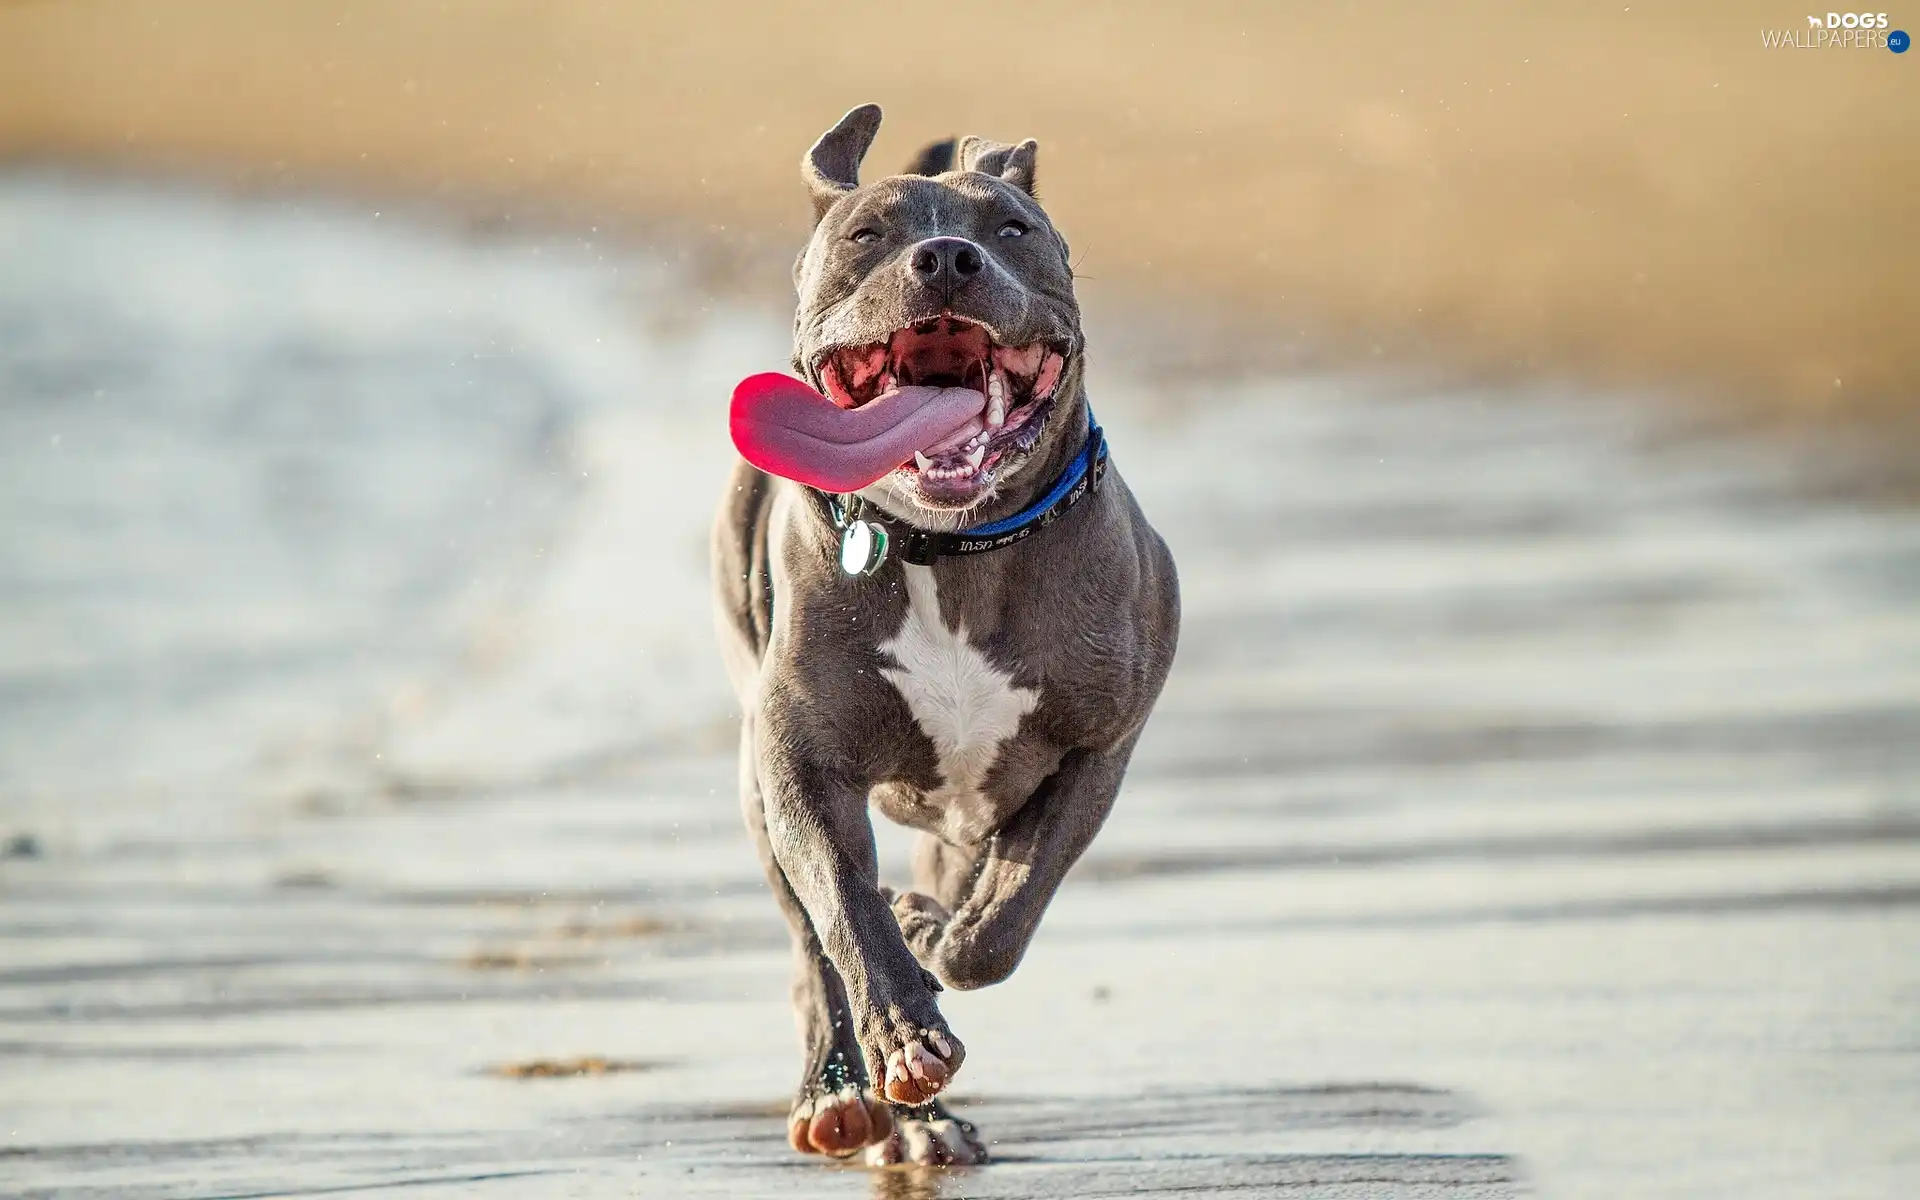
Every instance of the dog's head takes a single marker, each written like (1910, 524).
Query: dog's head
(954, 277)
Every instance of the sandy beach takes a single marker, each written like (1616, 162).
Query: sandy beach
(1533, 810)
(1639, 195)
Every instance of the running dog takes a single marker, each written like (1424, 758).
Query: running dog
(970, 645)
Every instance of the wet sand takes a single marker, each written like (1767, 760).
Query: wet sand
(1533, 810)
(1636, 193)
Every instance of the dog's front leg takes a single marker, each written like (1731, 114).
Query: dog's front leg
(987, 900)
(822, 839)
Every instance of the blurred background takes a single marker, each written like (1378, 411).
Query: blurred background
(1527, 393)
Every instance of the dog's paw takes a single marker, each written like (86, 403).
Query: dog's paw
(922, 920)
(838, 1123)
(929, 1136)
(920, 1064)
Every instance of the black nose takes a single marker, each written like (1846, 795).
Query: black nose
(946, 262)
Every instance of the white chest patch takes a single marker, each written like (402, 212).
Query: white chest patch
(964, 704)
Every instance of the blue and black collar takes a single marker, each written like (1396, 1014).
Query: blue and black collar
(865, 541)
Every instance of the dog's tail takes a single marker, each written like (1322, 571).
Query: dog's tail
(936, 159)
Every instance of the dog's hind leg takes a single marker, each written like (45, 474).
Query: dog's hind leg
(928, 1135)
(983, 903)
(977, 910)
(834, 1111)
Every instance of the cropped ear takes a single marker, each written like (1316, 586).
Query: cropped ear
(832, 167)
(1015, 164)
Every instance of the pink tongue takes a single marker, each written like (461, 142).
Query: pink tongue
(786, 428)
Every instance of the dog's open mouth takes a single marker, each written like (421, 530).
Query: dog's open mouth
(1015, 383)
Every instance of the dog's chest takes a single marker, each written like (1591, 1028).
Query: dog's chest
(967, 707)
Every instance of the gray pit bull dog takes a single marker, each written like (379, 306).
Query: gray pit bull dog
(989, 700)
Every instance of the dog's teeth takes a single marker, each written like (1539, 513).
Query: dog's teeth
(997, 400)
(922, 461)
(978, 456)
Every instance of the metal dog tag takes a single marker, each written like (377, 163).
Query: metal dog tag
(863, 547)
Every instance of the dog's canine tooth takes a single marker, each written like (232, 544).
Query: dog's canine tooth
(921, 460)
(978, 456)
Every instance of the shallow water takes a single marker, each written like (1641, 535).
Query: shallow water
(1534, 806)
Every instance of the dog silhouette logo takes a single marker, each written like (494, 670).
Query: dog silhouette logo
(1814, 22)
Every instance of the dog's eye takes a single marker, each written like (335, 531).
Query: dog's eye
(864, 236)
(1013, 229)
